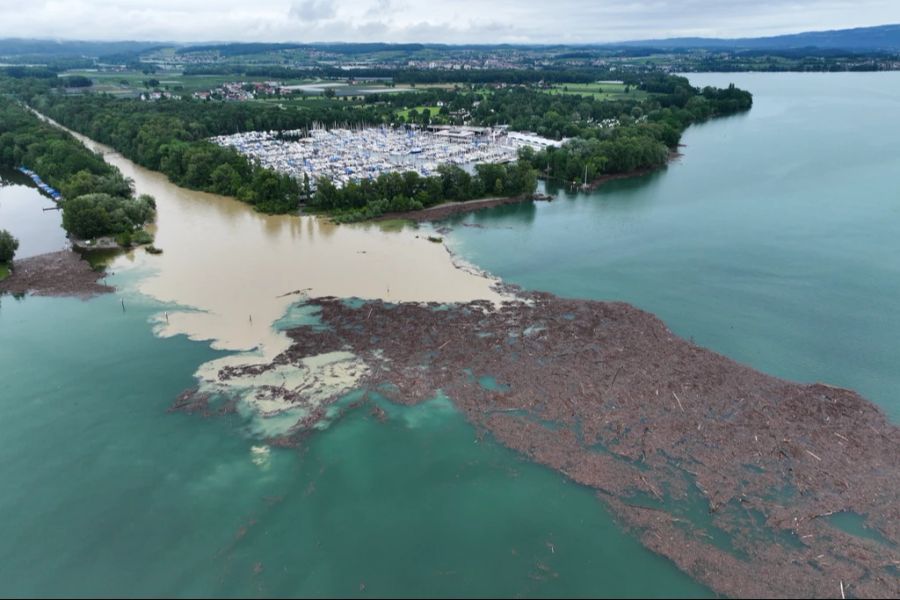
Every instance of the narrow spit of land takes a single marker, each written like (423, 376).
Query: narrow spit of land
(449, 209)
(62, 273)
(726, 471)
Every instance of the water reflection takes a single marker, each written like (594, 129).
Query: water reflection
(22, 213)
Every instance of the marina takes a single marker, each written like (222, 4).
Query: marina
(344, 155)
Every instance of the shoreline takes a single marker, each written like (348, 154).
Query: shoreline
(445, 210)
(607, 395)
(61, 273)
(232, 280)
(599, 181)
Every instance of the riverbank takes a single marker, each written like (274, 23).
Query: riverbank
(726, 471)
(250, 263)
(448, 209)
(62, 273)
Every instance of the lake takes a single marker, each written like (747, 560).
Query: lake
(772, 240)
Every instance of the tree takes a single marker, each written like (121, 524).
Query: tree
(84, 182)
(225, 180)
(95, 215)
(329, 92)
(75, 81)
(8, 246)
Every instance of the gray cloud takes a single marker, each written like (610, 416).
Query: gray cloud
(383, 8)
(451, 21)
(313, 10)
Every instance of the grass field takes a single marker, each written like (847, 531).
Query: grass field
(600, 90)
(405, 112)
(4, 271)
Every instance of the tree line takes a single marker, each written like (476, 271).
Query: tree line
(97, 199)
(172, 137)
(643, 138)
(554, 74)
(403, 192)
(607, 137)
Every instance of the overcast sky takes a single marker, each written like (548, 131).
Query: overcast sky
(451, 21)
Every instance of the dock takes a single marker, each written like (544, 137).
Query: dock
(47, 189)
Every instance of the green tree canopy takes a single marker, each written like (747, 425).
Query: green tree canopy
(8, 246)
(95, 215)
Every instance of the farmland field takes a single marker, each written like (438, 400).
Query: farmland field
(600, 90)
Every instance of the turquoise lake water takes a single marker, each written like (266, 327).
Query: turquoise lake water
(105, 493)
(773, 240)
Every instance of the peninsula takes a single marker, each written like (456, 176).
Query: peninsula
(574, 134)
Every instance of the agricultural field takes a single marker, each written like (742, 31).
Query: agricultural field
(600, 90)
(131, 83)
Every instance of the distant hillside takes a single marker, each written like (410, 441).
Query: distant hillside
(30, 47)
(861, 39)
(868, 40)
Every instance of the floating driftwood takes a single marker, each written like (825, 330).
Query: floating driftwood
(683, 426)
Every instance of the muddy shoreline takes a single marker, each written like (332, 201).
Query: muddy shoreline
(607, 395)
(62, 273)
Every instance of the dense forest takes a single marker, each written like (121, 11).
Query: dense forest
(401, 192)
(99, 214)
(97, 199)
(641, 140)
(627, 133)
(52, 153)
(171, 137)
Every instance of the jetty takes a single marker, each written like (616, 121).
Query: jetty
(47, 189)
